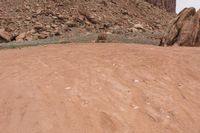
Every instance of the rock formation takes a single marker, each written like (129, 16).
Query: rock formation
(169, 5)
(184, 30)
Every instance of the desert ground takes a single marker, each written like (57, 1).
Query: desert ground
(100, 88)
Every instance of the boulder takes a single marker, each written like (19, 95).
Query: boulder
(139, 27)
(25, 36)
(198, 39)
(102, 38)
(71, 24)
(39, 27)
(43, 35)
(183, 30)
(21, 37)
(133, 29)
(91, 17)
(5, 36)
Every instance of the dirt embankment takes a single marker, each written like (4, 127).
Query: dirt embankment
(110, 88)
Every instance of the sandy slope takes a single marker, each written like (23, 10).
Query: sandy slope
(113, 88)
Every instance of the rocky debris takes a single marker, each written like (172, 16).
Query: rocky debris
(184, 30)
(102, 38)
(5, 36)
(71, 24)
(133, 29)
(92, 18)
(64, 17)
(139, 27)
(21, 37)
(25, 36)
(169, 5)
(39, 28)
(44, 35)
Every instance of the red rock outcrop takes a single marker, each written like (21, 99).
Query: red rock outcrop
(184, 30)
(169, 5)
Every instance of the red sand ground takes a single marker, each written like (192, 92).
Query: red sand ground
(104, 88)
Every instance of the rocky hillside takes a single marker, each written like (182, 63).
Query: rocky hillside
(28, 19)
(169, 5)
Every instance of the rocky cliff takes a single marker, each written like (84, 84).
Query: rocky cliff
(169, 5)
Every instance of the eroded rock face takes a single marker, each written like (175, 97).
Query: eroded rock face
(169, 5)
(184, 30)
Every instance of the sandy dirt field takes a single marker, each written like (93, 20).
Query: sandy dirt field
(103, 88)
